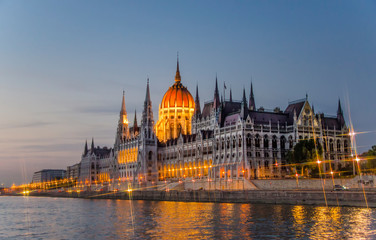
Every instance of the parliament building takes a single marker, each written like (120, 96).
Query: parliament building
(226, 140)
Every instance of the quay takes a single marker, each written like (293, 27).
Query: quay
(291, 197)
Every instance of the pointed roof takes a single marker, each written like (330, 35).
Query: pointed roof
(252, 103)
(92, 144)
(216, 94)
(147, 97)
(197, 103)
(123, 110)
(230, 95)
(244, 109)
(244, 100)
(135, 126)
(177, 76)
(339, 110)
(147, 113)
(86, 149)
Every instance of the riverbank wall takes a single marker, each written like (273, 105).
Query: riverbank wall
(297, 197)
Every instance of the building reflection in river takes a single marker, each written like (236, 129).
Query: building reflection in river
(50, 218)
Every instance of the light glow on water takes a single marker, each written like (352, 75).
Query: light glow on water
(69, 218)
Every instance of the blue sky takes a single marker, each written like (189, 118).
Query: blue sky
(64, 65)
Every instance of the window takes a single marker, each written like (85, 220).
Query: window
(266, 141)
(274, 142)
(283, 143)
(331, 145)
(257, 141)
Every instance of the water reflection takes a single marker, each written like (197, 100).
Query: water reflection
(51, 218)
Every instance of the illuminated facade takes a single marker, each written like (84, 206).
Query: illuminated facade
(226, 139)
(175, 111)
(95, 165)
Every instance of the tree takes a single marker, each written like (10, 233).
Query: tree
(305, 154)
(371, 158)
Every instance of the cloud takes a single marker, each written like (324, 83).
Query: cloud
(99, 109)
(26, 125)
(52, 147)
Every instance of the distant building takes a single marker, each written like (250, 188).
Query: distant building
(47, 175)
(73, 172)
(94, 165)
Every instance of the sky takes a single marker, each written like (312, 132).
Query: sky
(65, 64)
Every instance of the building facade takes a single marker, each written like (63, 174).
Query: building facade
(47, 175)
(226, 139)
(95, 164)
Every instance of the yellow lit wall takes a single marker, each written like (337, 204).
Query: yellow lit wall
(174, 120)
(127, 155)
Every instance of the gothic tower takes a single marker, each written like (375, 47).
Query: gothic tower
(147, 158)
(123, 129)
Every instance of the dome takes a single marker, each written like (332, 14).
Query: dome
(179, 95)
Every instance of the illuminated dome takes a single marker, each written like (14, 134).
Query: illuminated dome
(177, 96)
(175, 112)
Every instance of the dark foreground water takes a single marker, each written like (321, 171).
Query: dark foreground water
(64, 218)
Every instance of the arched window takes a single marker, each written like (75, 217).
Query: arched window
(291, 142)
(240, 141)
(150, 155)
(257, 141)
(233, 142)
(283, 142)
(338, 145)
(331, 145)
(228, 143)
(266, 141)
(274, 142)
(249, 140)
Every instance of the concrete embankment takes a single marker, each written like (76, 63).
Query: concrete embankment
(296, 197)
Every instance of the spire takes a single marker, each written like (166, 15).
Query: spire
(340, 117)
(92, 144)
(85, 150)
(197, 103)
(252, 104)
(244, 100)
(230, 95)
(147, 114)
(147, 97)
(177, 76)
(216, 94)
(244, 109)
(135, 126)
(339, 111)
(123, 110)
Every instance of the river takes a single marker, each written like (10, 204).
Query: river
(69, 218)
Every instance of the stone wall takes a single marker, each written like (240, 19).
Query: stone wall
(315, 184)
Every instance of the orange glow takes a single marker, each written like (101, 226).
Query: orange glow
(175, 113)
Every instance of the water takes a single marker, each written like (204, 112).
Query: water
(60, 218)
